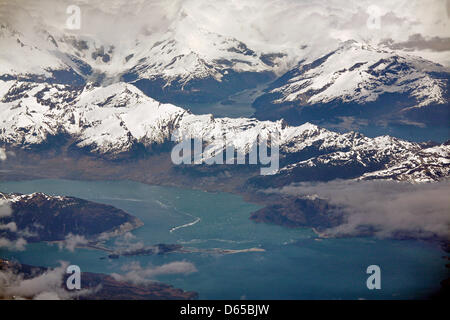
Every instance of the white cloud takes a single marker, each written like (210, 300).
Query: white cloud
(3, 156)
(16, 245)
(5, 208)
(392, 208)
(72, 241)
(139, 275)
(263, 24)
(46, 286)
(11, 226)
(127, 242)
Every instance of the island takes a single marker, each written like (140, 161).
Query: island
(40, 217)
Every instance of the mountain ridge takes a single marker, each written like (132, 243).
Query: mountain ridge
(119, 121)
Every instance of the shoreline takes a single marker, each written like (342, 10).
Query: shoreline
(250, 197)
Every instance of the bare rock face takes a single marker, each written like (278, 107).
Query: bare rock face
(358, 80)
(118, 122)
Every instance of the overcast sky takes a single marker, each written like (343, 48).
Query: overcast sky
(417, 25)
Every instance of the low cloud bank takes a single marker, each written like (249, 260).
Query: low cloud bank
(260, 24)
(5, 208)
(18, 244)
(128, 242)
(14, 245)
(137, 274)
(3, 155)
(46, 286)
(384, 208)
(72, 241)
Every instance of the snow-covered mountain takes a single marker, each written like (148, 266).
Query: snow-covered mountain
(30, 58)
(118, 120)
(113, 96)
(200, 67)
(352, 155)
(185, 63)
(188, 63)
(108, 120)
(428, 164)
(362, 81)
(189, 57)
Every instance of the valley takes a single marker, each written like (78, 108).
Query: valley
(355, 118)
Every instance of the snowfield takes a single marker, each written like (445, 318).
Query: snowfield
(112, 120)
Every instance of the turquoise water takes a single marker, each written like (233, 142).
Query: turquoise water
(238, 105)
(294, 265)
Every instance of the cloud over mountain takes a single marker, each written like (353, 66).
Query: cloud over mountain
(261, 24)
(387, 208)
(137, 274)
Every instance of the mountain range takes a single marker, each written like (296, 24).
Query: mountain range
(70, 94)
(343, 111)
(189, 64)
(120, 122)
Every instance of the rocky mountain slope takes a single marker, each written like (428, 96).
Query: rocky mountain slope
(361, 81)
(188, 63)
(120, 122)
(40, 217)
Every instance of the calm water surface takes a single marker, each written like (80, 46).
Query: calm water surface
(294, 265)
